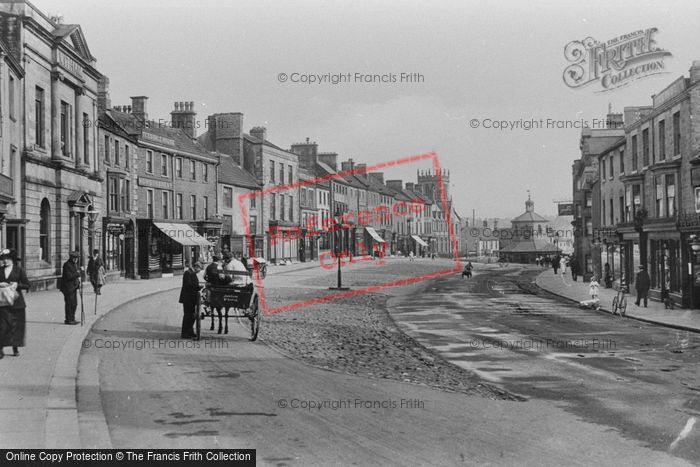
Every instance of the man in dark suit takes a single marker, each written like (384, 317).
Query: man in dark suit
(189, 295)
(70, 283)
(12, 275)
(642, 283)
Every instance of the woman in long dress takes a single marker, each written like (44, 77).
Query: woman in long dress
(13, 317)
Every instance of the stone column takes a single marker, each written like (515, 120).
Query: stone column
(55, 132)
(78, 125)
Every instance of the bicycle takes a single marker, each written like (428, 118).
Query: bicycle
(619, 303)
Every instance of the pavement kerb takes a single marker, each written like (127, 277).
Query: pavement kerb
(62, 423)
(680, 327)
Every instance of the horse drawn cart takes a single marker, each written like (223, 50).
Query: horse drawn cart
(225, 295)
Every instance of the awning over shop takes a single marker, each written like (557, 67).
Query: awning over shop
(374, 234)
(419, 240)
(182, 234)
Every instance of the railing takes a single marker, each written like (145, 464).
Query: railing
(6, 186)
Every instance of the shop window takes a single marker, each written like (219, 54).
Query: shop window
(660, 197)
(65, 129)
(44, 230)
(149, 162)
(113, 194)
(677, 134)
(670, 195)
(645, 146)
(228, 197)
(165, 205)
(86, 139)
(178, 206)
(39, 117)
(622, 162)
(149, 203)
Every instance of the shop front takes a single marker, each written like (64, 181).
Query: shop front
(166, 248)
(283, 241)
(210, 230)
(420, 246)
(689, 246)
(118, 245)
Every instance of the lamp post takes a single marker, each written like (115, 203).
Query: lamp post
(694, 242)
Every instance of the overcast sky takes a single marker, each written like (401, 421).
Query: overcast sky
(501, 61)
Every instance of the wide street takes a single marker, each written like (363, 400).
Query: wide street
(339, 382)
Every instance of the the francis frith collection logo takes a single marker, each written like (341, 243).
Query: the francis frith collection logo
(614, 63)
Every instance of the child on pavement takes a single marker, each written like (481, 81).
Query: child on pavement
(593, 286)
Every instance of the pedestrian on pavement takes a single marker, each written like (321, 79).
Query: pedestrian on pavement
(189, 294)
(562, 264)
(593, 287)
(547, 261)
(96, 272)
(555, 264)
(607, 276)
(70, 283)
(13, 319)
(574, 268)
(410, 256)
(642, 284)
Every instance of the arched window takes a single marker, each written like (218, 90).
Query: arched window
(44, 230)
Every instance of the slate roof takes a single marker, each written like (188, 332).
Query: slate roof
(529, 216)
(231, 174)
(135, 126)
(531, 245)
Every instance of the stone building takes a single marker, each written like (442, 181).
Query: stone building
(529, 237)
(176, 193)
(593, 143)
(662, 190)
(273, 168)
(56, 111)
(11, 142)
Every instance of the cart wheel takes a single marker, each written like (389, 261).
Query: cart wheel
(254, 315)
(623, 306)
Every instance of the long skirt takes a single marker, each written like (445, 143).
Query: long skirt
(13, 325)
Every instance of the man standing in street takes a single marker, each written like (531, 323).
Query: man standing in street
(189, 293)
(573, 264)
(70, 283)
(642, 284)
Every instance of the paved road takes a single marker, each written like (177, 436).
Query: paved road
(641, 380)
(161, 391)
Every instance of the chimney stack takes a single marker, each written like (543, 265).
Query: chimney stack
(347, 165)
(259, 132)
(329, 158)
(393, 184)
(183, 117)
(377, 176)
(103, 100)
(138, 104)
